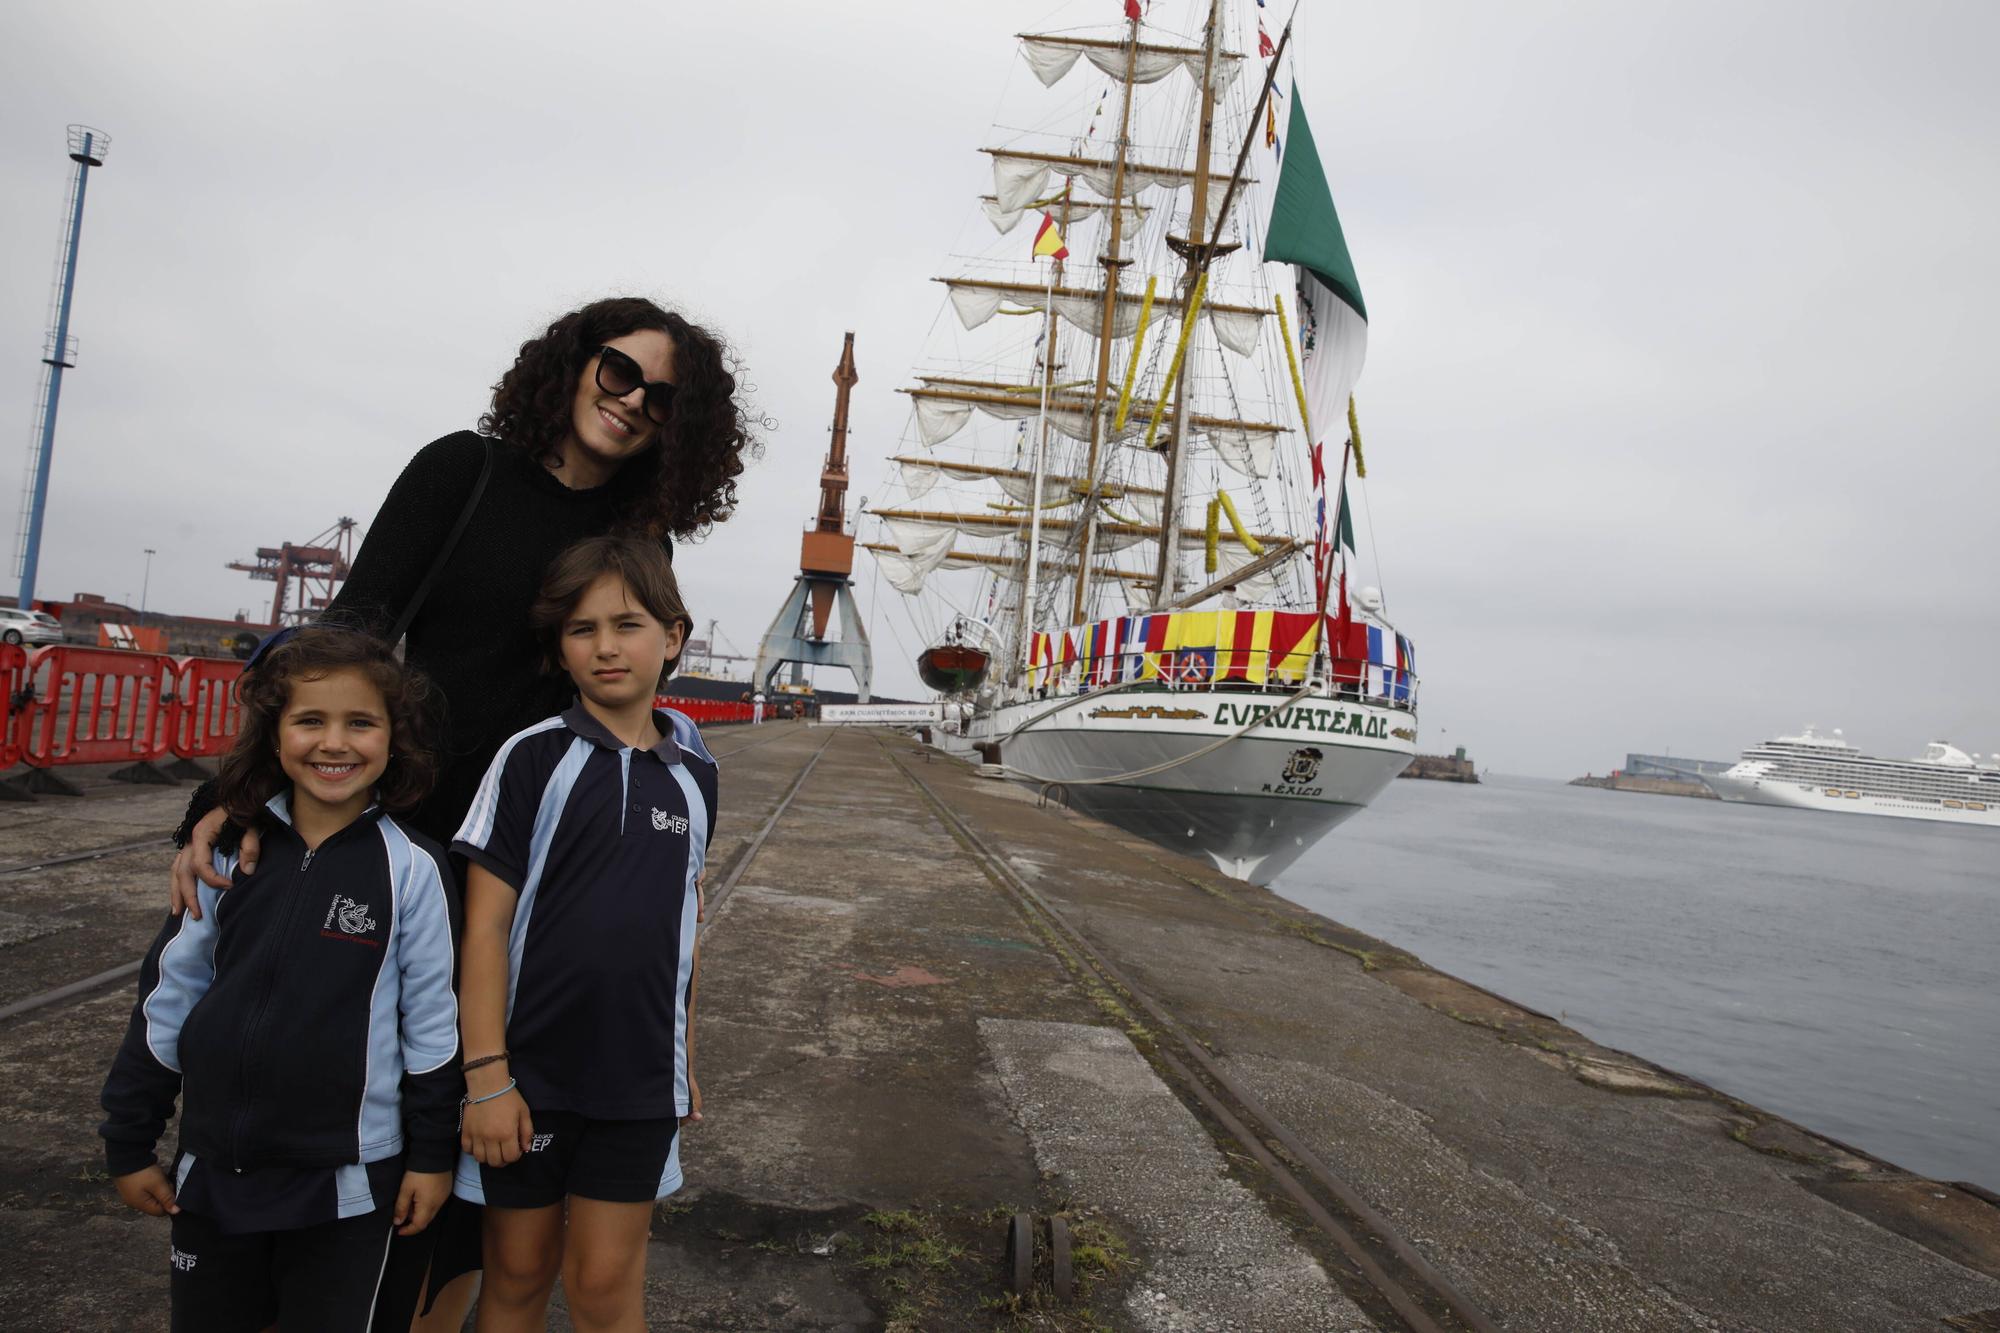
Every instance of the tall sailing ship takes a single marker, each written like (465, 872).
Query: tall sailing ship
(1125, 482)
(1816, 772)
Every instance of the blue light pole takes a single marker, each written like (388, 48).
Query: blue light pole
(86, 149)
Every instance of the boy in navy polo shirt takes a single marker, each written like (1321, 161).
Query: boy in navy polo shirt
(584, 844)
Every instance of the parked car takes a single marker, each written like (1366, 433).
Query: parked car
(17, 626)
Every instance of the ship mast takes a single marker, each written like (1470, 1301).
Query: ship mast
(1202, 249)
(1025, 585)
(1167, 576)
(1114, 263)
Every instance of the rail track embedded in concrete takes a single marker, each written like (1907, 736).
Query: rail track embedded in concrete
(87, 854)
(742, 859)
(1392, 1271)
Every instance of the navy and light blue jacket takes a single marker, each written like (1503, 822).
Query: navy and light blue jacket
(306, 1020)
(602, 842)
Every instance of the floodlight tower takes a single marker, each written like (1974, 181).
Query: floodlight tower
(86, 149)
(826, 558)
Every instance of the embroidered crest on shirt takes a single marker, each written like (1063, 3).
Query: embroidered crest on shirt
(350, 916)
(348, 920)
(667, 823)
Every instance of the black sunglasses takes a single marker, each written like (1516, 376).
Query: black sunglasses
(618, 374)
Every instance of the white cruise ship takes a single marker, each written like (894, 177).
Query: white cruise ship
(1826, 773)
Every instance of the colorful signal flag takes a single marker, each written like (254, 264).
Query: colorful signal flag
(1049, 241)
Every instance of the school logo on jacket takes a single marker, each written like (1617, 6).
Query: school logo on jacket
(667, 823)
(348, 920)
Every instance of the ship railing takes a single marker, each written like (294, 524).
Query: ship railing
(1244, 670)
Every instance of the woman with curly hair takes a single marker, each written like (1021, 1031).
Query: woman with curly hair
(621, 417)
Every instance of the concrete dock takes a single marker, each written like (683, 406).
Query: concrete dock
(929, 1004)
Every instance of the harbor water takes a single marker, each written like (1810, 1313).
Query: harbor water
(1842, 971)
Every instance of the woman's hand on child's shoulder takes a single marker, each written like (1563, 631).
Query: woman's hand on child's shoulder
(195, 865)
(418, 1199)
(149, 1191)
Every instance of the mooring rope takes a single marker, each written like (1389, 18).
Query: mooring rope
(1047, 782)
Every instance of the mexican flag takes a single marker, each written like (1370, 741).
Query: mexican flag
(1333, 321)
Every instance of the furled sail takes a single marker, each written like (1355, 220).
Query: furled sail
(1237, 327)
(942, 411)
(1006, 567)
(917, 530)
(1021, 177)
(1053, 57)
(920, 474)
(1073, 209)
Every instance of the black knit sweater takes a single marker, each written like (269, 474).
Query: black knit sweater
(471, 635)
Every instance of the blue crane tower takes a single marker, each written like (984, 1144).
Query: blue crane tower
(86, 149)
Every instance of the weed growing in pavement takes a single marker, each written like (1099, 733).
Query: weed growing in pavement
(937, 1268)
(894, 1223)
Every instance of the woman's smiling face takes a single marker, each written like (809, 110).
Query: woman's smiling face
(605, 431)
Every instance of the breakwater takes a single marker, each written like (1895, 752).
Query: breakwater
(1650, 786)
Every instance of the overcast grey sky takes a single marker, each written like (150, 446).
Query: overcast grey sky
(1680, 401)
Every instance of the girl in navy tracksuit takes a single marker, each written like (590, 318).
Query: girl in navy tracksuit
(309, 1027)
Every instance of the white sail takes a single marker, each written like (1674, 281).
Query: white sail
(1069, 210)
(1122, 497)
(1020, 177)
(1237, 327)
(1102, 436)
(1053, 57)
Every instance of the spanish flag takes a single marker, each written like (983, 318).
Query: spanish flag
(1049, 241)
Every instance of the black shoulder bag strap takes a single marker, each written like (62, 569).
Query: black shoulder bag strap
(444, 552)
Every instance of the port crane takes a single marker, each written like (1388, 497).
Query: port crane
(317, 566)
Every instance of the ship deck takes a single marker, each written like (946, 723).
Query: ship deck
(930, 1003)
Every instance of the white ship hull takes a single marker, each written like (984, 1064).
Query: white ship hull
(1251, 806)
(1756, 789)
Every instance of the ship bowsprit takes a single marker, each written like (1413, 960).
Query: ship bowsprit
(1251, 806)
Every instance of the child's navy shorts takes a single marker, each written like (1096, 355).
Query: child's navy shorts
(321, 1278)
(616, 1161)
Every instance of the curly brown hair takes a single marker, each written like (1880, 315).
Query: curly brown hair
(250, 773)
(686, 480)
